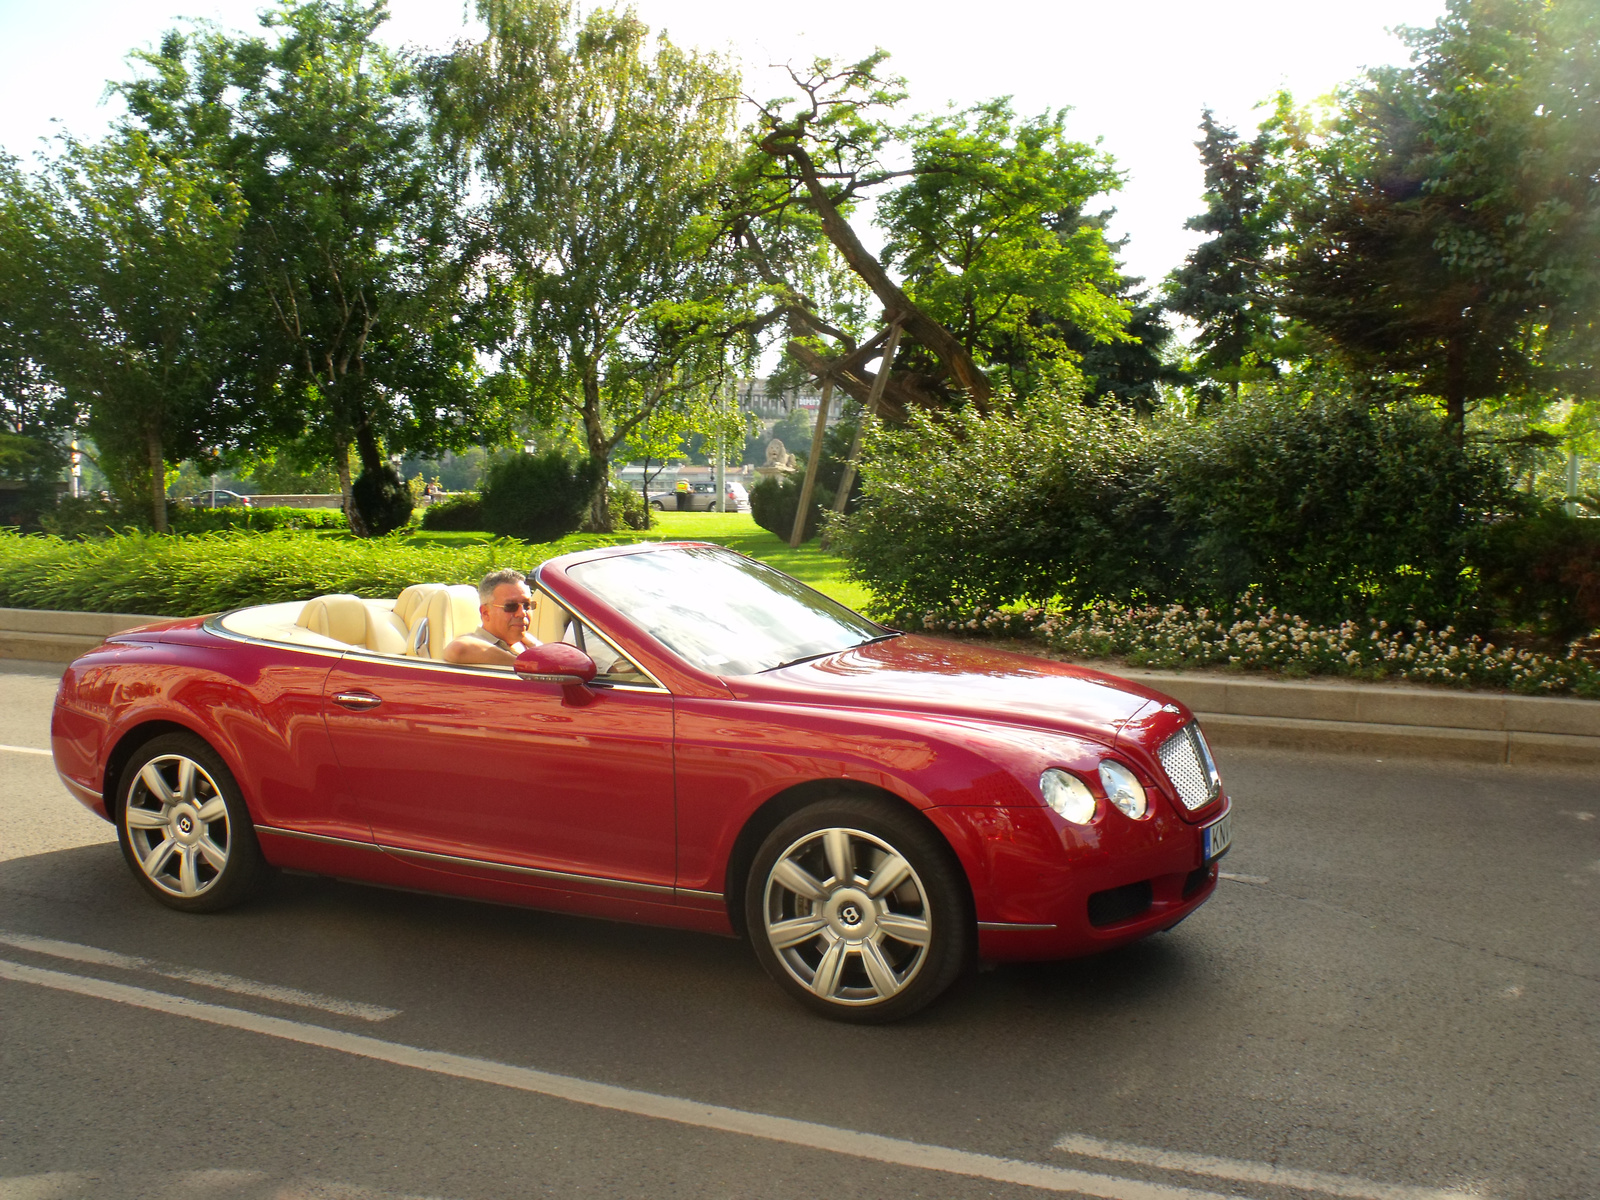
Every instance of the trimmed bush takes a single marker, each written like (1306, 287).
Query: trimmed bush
(212, 520)
(382, 500)
(455, 514)
(774, 501)
(627, 505)
(539, 497)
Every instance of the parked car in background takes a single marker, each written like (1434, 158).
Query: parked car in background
(215, 498)
(702, 497)
(738, 498)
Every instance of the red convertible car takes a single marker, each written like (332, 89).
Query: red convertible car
(701, 742)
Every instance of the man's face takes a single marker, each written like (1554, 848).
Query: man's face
(508, 626)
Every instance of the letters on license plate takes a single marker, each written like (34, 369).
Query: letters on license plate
(1218, 837)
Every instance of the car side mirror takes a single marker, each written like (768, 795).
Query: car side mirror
(555, 662)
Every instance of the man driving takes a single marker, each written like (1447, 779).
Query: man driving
(505, 606)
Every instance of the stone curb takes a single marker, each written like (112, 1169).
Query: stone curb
(1411, 722)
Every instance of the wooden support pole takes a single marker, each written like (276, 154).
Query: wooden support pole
(812, 464)
(879, 382)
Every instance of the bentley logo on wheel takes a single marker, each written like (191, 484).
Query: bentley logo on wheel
(850, 914)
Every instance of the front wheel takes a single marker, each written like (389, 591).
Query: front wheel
(183, 826)
(857, 909)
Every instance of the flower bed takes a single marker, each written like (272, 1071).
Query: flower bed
(1250, 637)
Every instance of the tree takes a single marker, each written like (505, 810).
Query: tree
(1448, 226)
(132, 246)
(352, 327)
(991, 234)
(1226, 284)
(600, 153)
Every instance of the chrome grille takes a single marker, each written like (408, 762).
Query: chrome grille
(1187, 762)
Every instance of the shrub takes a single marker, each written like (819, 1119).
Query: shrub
(537, 497)
(1323, 504)
(627, 505)
(383, 502)
(180, 575)
(1542, 571)
(210, 520)
(774, 501)
(455, 514)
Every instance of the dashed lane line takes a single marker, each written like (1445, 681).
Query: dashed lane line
(1241, 1171)
(94, 956)
(869, 1146)
(26, 750)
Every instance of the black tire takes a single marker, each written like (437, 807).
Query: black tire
(875, 947)
(184, 829)
(658, 506)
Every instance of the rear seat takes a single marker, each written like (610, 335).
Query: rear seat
(356, 622)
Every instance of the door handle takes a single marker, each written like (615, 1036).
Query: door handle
(358, 701)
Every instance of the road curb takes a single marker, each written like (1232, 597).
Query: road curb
(1315, 715)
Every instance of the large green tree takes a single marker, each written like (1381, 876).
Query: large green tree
(1227, 284)
(131, 247)
(1448, 223)
(599, 153)
(354, 331)
(992, 234)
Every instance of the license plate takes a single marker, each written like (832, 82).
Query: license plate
(1218, 837)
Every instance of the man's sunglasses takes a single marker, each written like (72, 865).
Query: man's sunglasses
(511, 606)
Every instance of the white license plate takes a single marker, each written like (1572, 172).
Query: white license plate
(1218, 837)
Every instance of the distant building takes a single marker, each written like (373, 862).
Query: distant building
(770, 403)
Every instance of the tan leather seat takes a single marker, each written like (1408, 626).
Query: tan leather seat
(340, 617)
(439, 616)
(355, 622)
(550, 619)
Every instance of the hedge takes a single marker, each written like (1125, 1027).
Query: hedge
(180, 575)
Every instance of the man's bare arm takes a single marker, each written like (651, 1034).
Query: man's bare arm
(475, 651)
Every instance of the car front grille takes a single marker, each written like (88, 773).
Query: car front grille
(1187, 762)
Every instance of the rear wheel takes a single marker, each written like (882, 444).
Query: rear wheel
(857, 909)
(183, 826)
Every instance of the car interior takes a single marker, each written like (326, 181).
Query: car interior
(419, 623)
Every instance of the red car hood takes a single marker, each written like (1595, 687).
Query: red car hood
(928, 675)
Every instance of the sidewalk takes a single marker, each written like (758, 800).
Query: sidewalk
(1319, 715)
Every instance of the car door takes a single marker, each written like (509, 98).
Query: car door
(478, 771)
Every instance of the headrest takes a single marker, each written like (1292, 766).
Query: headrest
(413, 599)
(340, 617)
(550, 619)
(443, 616)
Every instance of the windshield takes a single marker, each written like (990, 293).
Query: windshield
(722, 612)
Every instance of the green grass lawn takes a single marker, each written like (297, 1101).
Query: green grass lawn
(737, 531)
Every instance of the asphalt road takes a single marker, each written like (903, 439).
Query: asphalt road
(1396, 994)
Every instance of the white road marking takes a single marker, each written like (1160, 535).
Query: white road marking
(1256, 879)
(870, 1146)
(94, 956)
(1253, 1172)
(26, 750)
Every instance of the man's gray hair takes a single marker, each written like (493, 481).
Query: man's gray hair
(495, 578)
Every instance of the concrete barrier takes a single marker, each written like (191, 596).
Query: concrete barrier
(51, 635)
(1384, 720)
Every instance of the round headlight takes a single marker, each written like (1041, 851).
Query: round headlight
(1122, 789)
(1068, 795)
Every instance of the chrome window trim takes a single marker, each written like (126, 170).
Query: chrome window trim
(1009, 927)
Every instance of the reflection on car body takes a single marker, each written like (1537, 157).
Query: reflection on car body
(702, 742)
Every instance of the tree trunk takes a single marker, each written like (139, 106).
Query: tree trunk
(1455, 389)
(342, 462)
(951, 353)
(158, 481)
(599, 452)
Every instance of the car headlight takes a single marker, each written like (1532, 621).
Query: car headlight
(1122, 789)
(1068, 795)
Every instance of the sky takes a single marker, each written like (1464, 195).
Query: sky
(1135, 74)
